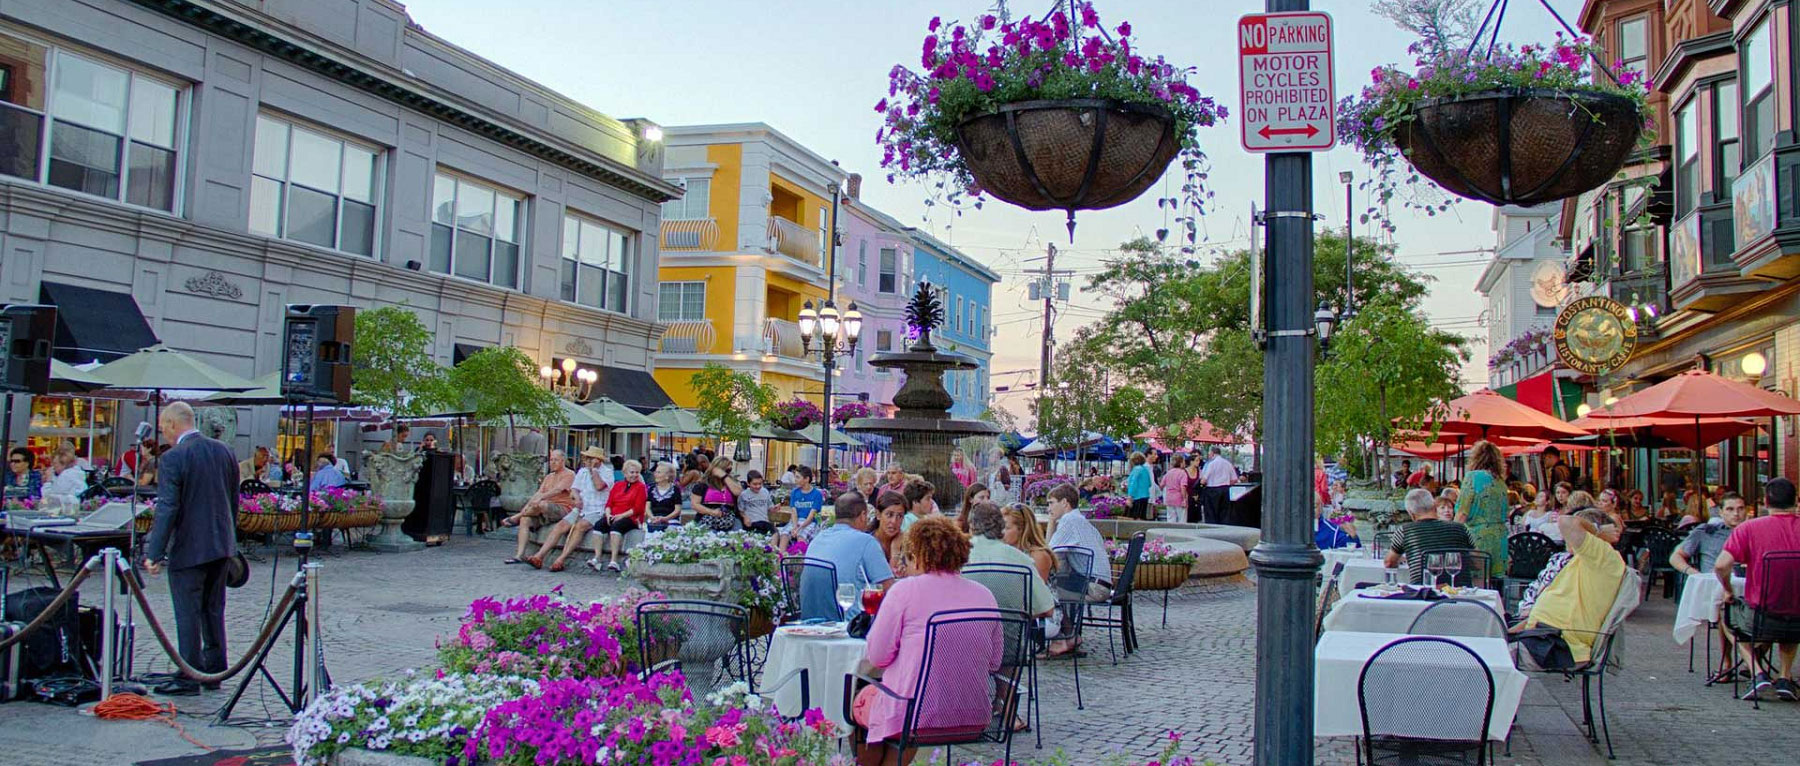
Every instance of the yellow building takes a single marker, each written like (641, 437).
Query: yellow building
(741, 253)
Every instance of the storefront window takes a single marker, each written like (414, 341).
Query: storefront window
(85, 423)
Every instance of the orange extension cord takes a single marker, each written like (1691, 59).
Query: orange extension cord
(125, 706)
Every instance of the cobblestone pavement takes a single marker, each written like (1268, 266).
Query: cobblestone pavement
(384, 612)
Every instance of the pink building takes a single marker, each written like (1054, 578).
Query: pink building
(874, 269)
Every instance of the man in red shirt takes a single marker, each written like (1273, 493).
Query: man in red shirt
(1774, 596)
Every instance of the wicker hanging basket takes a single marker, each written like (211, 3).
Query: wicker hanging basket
(1521, 147)
(1072, 154)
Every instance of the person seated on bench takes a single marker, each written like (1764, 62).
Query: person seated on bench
(553, 500)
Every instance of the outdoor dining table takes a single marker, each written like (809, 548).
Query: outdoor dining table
(1363, 611)
(1699, 603)
(826, 660)
(1360, 567)
(1338, 663)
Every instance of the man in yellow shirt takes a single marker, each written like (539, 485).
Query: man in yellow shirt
(1579, 598)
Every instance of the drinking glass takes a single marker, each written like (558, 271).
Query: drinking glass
(871, 599)
(1434, 563)
(1453, 563)
(846, 596)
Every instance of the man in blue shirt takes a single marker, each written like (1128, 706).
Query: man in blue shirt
(326, 474)
(806, 500)
(848, 546)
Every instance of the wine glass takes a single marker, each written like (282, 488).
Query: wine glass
(846, 596)
(1434, 563)
(1453, 563)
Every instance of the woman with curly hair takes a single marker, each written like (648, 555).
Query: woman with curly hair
(897, 642)
(1481, 504)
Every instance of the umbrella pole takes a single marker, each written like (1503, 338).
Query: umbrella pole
(1699, 465)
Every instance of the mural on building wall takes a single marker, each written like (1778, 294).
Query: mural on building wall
(1753, 201)
(1684, 250)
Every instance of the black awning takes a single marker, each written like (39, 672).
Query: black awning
(95, 324)
(636, 389)
(461, 351)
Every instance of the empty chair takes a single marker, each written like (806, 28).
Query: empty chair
(1114, 613)
(1425, 700)
(1458, 617)
(699, 638)
(1660, 543)
(809, 589)
(1527, 553)
(482, 511)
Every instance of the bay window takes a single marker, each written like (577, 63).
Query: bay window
(596, 262)
(312, 187)
(476, 230)
(1728, 155)
(1757, 70)
(1687, 156)
(108, 131)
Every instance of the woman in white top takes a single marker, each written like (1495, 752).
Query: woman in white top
(67, 480)
(1541, 517)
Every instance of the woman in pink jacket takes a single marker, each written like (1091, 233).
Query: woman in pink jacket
(897, 644)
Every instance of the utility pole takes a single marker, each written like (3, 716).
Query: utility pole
(1049, 316)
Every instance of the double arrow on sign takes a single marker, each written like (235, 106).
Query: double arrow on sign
(1309, 131)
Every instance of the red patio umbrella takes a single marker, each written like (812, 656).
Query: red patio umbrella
(1678, 430)
(1698, 395)
(1485, 415)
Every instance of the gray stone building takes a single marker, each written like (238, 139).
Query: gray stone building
(202, 163)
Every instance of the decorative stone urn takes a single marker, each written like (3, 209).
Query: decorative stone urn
(393, 476)
(520, 474)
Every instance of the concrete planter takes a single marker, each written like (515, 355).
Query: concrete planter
(393, 476)
(359, 757)
(704, 580)
(520, 474)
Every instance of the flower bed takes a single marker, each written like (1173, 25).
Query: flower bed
(1107, 506)
(546, 636)
(335, 508)
(424, 716)
(1037, 485)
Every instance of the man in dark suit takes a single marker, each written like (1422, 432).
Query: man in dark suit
(194, 537)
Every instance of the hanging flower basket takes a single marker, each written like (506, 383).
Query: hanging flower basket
(1520, 147)
(1047, 113)
(1072, 154)
(1504, 125)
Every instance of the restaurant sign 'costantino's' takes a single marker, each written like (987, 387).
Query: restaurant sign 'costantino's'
(1595, 335)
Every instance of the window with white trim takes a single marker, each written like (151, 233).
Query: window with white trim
(862, 263)
(681, 302)
(1687, 156)
(694, 205)
(956, 318)
(824, 233)
(889, 280)
(310, 186)
(1757, 70)
(1634, 44)
(596, 264)
(1728, 155)
(476, 230)
(108, 131)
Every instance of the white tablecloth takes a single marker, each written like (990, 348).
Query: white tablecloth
(1699, 603)
(1359, 566)
(1376, 615)
(827, 661)
(1339, 659)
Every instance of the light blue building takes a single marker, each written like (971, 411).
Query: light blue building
(967, 291)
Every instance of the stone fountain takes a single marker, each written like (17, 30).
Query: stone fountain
(922, 430)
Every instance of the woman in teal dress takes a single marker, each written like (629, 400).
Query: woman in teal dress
(1482, 504)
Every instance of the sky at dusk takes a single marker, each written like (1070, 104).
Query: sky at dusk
(814, 70)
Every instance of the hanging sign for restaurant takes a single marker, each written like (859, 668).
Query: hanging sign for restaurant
(1284, 66)
(1595, 335)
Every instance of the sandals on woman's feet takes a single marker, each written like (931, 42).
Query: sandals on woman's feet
(513, 561)
(536, 562)
(556, 567)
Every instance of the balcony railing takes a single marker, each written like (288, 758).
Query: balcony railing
(793, 240)
(782, 338)
(699, 234)
(687, 336)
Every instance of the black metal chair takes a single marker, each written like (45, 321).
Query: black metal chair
(1011, 586)
(1114, 614)
(1776, 569)
(253, 487)
(699, 638)
(480, 498)
(960, 698)
(1527, 553)
(1477, 570)
(1328, 593)
(798, 574)
(1603, 653)
(1070, 580)
(1425, 700)
(1458, 617)
(117, 485)
(1660, 542)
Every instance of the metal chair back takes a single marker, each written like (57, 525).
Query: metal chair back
(1477, 571)
(1011, 586)
(809, 587)
(966, 695)
(1134, 553)
(1074, 570)
(1527, 553)
(1458, 617)
(700, 638)
(253, 487)
(1425, 699)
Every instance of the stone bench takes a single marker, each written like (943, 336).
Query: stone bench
(1244, 538)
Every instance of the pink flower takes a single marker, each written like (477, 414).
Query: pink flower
(1089, 17)
(881, 106)
(988, 21)
(935, 23)
(1125, 29)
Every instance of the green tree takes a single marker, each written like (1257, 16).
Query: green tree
(393, 369)
(730, 402)
(1385, 365)
(502, 382)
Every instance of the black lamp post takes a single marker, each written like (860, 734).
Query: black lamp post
(1324, 322)
(836, 336)
(1345, 177)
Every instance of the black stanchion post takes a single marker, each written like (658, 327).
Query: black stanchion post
(1286, 560)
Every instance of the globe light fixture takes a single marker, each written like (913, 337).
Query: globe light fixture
(1753, 364)
(1324, 320)
(1582, 410)
(809, 321)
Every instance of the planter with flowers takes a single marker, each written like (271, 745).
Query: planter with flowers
(1160, 567)
(424, 717)
(1504, 125)
(695, 562)
(267, 513)
(848, 411)
(1037, 485)
(1107, 506)
(795, 414)
(342, 508)
(1047, 113)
